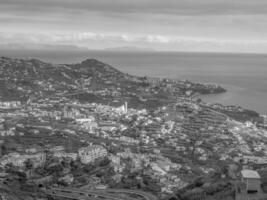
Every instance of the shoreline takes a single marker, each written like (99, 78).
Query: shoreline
(197, 67)
(231, 98)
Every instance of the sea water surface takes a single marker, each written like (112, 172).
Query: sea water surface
(243, 75)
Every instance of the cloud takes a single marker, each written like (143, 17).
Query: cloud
(168, 24)
(177, 7)
(93, 40)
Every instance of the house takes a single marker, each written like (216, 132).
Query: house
(85, 120)
(72, 156)
(157, 169)
(43, 181)
(254, 159)
(195, 194)
(252, 180)
(19, 160)
(10, 104)
(250, 186)
(57, 149)
(91, 153)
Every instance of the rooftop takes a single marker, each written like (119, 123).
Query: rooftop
(250, 174)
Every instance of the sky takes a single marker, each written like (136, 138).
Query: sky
(164, 25)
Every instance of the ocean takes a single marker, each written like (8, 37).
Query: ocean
(243, 75)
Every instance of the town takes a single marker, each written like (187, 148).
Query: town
(86, 130)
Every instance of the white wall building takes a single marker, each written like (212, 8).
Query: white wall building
(91, 153)
(252, 180)
(18, 160)
(10, 104)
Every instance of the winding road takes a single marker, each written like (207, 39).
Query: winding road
(97, 194)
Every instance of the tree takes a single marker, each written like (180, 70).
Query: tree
(89, 168)
(104, 162)
(66, 162)
(3, 149)
(29, 166)
(10, 168)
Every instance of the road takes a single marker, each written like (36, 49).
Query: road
(65, 195)
(145, 195)
(96, 194)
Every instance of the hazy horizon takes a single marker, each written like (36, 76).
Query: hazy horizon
(173, 25)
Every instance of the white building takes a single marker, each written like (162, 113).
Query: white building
(129, 140)
(85, 120)
(18, 160)
(123, 109)
(252, 180)
(10, 104)
(73, 156)
(255, 159)
(91, 153)
(157, 169)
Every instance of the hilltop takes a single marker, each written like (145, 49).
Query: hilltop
(88, 81)
(34, 77)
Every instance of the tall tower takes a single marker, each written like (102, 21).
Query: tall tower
(126, 107)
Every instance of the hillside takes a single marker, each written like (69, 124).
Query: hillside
(34, 77)
(164, 141)
(88, 81)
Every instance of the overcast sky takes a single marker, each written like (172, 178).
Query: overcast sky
(180, 25)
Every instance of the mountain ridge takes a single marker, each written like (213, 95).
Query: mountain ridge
(130, 49)
(89, 80)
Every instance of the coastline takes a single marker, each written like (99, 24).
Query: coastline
(234, 96)
(245, 87)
